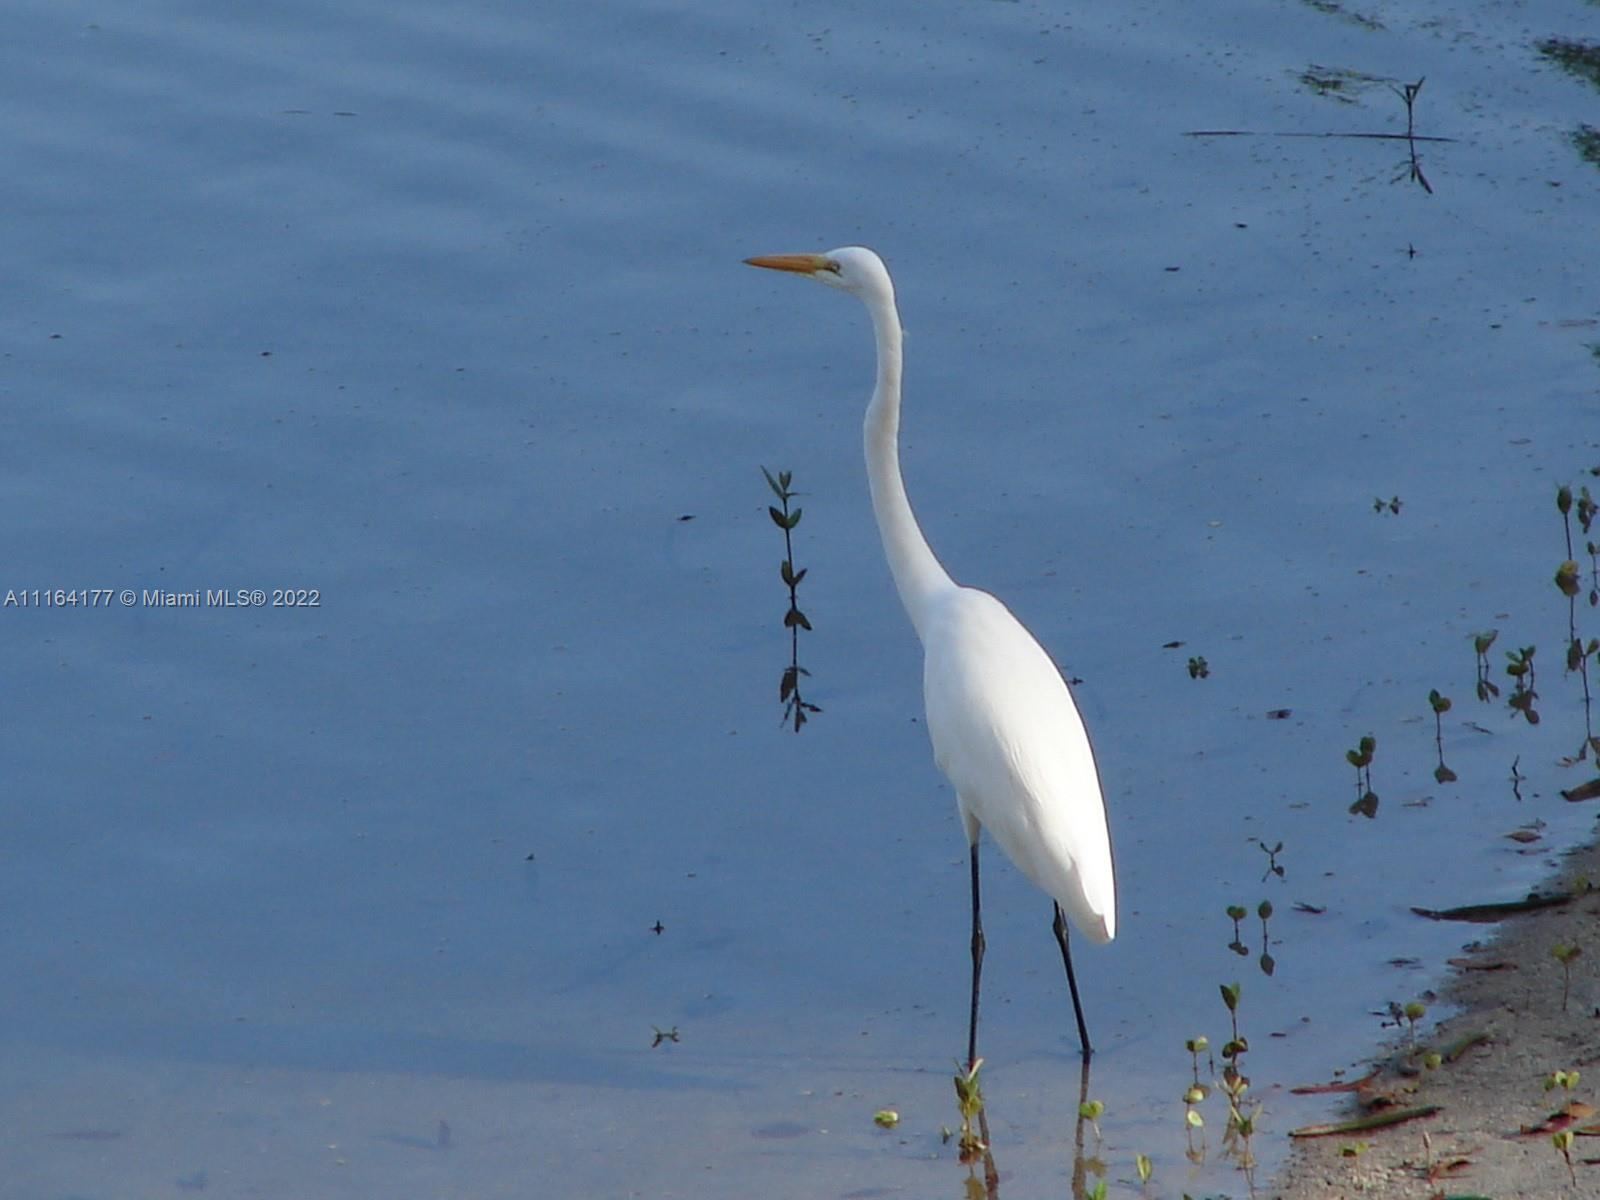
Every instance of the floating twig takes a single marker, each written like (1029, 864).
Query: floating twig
(1413, 168)
(1487, 913)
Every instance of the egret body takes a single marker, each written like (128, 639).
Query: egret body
(1005, 731)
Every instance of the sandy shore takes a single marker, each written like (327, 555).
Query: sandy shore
(1512, 991)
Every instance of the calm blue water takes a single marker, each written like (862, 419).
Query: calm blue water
(438, 316)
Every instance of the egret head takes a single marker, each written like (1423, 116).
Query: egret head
(853, 269)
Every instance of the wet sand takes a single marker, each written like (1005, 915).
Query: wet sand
(1473, 1146)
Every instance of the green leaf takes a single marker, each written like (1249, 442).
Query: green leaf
(1567, 578)
(1142, 1164)
(778, 518)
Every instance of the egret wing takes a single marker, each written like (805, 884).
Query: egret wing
(1008, 736)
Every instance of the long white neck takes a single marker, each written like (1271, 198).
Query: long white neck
(917, 573)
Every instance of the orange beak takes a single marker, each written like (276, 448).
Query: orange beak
(800, 264)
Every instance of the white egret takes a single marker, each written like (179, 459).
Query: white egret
(1004, 728)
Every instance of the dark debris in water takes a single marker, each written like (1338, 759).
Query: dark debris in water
(1494, 912)
(1578, 58)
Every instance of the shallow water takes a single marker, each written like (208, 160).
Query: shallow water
(440, 315)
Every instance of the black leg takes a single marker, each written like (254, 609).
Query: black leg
(1080, 1164)
(1072, 981)
(977, 963)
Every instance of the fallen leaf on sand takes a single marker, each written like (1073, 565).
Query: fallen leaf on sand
(1391, 1116)
(1573, 1110)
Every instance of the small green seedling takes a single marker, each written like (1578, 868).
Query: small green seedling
(1196, 1046)
(1569, 579)
(1414, 1012)
(1234, 1084)
(1267, 963)
(1562, 1141)
(886, 1118)
(1519, 665)
(1091, 1111)
(1564, 954)
(1565, 1080)
(1146, 1168)
(1587, 510)
(1392, 504)
(1579, 654)
(1198, 667)
(969, 1101)
(969, 1096)
(1361, 759)
(1440, 705)
(1193, 1122)
(664, 1035)
(1237, 913)
(1481, 642)
(1586, 506)
(1235, 1045)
